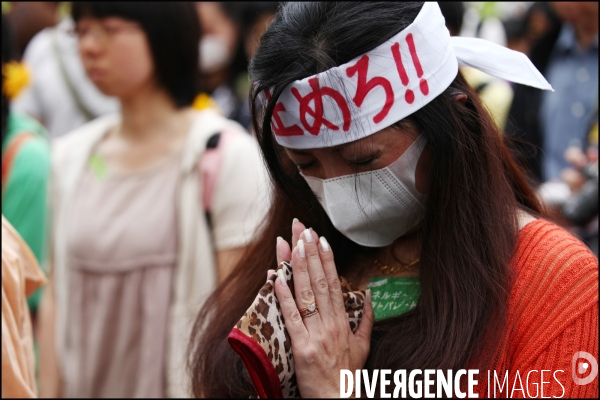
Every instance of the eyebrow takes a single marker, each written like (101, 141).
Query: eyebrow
(336, 149)
(295, 151)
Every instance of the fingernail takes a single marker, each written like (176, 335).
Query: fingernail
(300, 248)
(369, 296)
(279, 239)
(324, 245)
(308, 236)
(281, 277)
(294, 221)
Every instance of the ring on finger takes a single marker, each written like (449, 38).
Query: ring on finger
(311, 310)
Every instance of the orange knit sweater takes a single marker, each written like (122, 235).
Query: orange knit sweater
(552, 314)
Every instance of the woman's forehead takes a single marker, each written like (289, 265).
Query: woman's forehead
(393, 136)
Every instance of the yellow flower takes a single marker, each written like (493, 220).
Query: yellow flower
(15, 76)
(204, 101)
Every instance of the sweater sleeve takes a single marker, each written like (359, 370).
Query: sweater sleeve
(553, 315)
(556, 362)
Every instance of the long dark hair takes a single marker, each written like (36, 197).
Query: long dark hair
(469, 231)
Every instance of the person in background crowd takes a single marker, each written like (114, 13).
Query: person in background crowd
(478, 244)
(453, 12)
(25, 165)
(253, 17)
(580, 209)
(547, 123)
(230, 35)
(495, 93)
(21, 276)
(541, 19)
(221, 58)
(141, 235)
(61, 95)
(516, 33)
(28, 18)
(525, 30)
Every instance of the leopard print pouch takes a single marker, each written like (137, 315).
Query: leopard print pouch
(262, 341)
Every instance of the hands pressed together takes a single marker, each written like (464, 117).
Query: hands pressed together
(322, 343)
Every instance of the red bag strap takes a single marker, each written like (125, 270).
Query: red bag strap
(11, 152)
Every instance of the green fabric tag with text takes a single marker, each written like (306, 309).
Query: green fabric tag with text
(393, 296)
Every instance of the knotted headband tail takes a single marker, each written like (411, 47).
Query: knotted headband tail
(498, 61)
(390, 82)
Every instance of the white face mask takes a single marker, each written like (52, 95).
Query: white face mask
(214, 53)
(375, 208)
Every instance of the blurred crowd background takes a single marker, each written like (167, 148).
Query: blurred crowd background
(555, 134)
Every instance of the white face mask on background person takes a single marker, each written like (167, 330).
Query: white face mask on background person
(375, 208)
(214, 53)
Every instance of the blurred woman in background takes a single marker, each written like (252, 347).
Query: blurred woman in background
(134, 253)
(230, 36)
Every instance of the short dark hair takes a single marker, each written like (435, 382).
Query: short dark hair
(515, 28)
(173, 32)
(246, 13)
(8, 46)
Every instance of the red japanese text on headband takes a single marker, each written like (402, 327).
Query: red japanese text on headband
(388, 83)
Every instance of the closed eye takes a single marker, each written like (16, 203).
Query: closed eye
(365, 161)
(305, 166)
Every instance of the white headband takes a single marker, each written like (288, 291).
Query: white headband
(388, 83)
